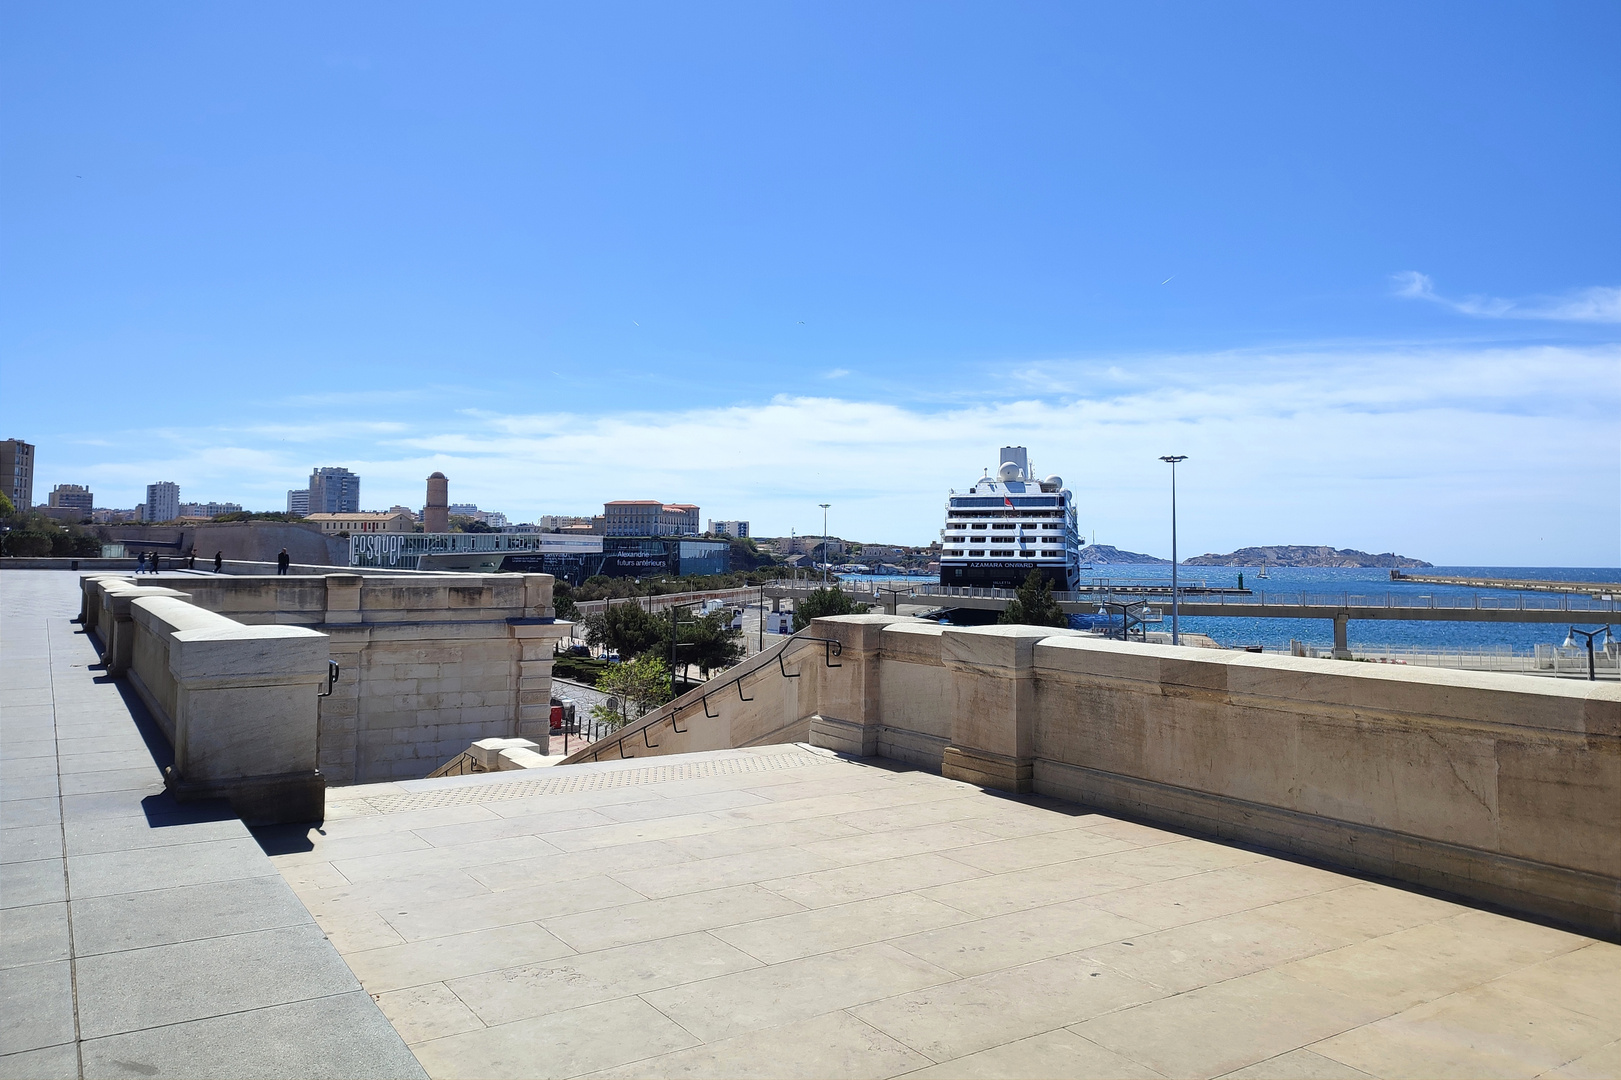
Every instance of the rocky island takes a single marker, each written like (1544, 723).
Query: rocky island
(1302, 555)
(1106, 553)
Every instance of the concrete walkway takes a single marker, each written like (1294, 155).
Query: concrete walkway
(140, 938)
(781, 912)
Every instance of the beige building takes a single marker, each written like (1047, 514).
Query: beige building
(70, 502)
(809, 545)
(393, 522)
(649, 517)
(17, 472)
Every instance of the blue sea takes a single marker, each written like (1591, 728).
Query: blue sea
(1370, 582)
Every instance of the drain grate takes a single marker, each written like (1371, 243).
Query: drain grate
(584, 781)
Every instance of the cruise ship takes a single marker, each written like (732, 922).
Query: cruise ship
(1008, 523)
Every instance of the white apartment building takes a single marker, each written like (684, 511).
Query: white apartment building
(162, 502)
(209, 509)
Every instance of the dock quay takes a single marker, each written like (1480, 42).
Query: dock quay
(1596, 589)
(1264, 604)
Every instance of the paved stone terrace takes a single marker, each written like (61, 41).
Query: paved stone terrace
(776, 912)
(783, 912)
(140, 938)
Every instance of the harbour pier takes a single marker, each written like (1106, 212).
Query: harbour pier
(1597, 589)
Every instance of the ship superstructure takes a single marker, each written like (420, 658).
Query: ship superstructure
(1007, 524)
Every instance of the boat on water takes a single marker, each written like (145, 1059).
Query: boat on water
(1008, 524)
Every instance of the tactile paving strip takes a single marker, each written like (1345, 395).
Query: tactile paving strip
(582, 781)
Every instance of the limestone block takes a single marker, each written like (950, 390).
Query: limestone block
(843, 737)
(846, 692)
(914, 687)
(519, 758)
(343, 598)
(993, 709)
(238, 703)
(487, 752)
(113, 624)
(90, 598)
(1561, 806)
(537, 595)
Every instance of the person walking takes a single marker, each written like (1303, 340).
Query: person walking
(140, 562)
(283, 561)
(219, 560)
(191, 559)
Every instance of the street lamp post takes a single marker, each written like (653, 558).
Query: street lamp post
(1570, 641)
(824, 507)
(1176, 629)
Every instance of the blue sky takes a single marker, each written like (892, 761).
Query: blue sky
(1362, 263)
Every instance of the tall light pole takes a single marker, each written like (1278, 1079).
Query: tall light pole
(1176, 630)
(824, 507)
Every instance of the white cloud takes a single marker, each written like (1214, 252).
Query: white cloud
(1599, 303)
(837, 373)
(1497, 456)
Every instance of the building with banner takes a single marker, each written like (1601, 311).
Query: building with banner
(569, 557)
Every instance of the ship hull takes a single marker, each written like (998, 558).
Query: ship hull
(1001, 574)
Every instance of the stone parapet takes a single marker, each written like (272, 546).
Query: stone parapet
(847, 689)
(1497, 786)
(1500, 787)
(238, 703)
(112, 597)
(431, 662)
(993, 704)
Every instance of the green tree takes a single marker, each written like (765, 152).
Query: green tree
(255, 515)
(625, 628)
(828, 601)
(563, 601)
(1033, 604)
(643, 684)
(708, 641)
(32, 535)
(463, 524)
(6, 509)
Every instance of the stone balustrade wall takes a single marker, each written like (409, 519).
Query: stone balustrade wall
(237, 703)
(1501, 787)
(429, 663)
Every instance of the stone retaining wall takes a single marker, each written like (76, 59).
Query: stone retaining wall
(429, 663)
(238, 704)
(1488, 785)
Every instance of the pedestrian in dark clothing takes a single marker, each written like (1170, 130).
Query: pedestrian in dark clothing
(219, 560)
(191, 559)
(140, 562)
(283, 561)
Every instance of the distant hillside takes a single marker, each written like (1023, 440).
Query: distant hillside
(1299, 555)
(1104, 553)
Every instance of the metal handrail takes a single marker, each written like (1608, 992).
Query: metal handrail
(332, 672)
(831, 647)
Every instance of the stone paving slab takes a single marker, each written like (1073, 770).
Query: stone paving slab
(772, 912)
(832, 917)
(140, 937)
